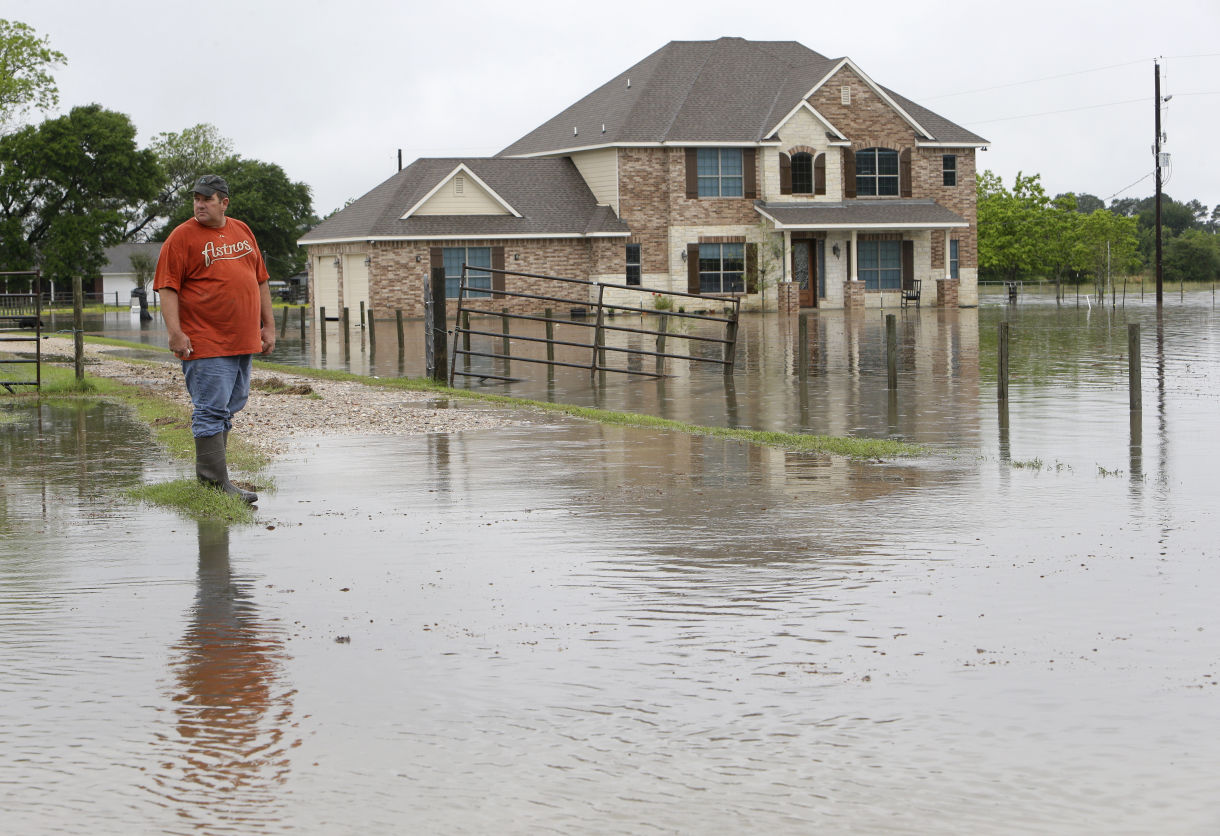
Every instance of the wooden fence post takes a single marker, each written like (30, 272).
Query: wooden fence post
(1134, 373)
(1002, 370)
(891, 350)
(78, 326)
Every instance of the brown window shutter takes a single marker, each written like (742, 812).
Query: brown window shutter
(436, 256)
(749, 161)
(908, 264)
(849, 172)
(904, 172)
(785, 173)
(819, 174)
(692, 172)
(692, 268)
(497, 279)
(751, 268)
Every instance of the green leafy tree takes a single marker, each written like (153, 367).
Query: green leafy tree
(1061, 224)
(183, 157)
(1193, 256)
(26, 82)
(63, 185)
(1015, 226)
(277, 210)
(145, 266)
(1108, 242)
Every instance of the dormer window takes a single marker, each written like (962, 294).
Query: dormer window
(877, 172)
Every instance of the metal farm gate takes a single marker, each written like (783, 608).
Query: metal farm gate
(21, 313)
(588, 320)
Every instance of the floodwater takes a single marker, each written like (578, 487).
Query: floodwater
(565, 627)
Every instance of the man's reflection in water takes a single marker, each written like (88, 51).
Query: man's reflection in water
(229, 752)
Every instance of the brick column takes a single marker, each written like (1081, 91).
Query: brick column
(946, 293)
(853, 295)
(789, 297)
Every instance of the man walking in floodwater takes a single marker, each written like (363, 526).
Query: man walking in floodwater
(217, 308)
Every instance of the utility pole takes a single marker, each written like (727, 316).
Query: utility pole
(1157, 152)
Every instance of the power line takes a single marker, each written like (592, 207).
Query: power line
(1069, 75)
(1124, 188)
(1035, 80)
(1053, 112)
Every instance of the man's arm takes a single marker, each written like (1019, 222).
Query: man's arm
(179, 343)
(268, 317)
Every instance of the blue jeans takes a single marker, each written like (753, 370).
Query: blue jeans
(219, 387)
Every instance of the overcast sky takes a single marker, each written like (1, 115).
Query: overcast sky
(331, 90)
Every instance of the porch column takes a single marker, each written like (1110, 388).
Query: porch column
(787, 253)
(948, 271)
(852, 257)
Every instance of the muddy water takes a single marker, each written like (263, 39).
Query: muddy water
(574, 628)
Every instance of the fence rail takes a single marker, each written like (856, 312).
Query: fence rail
(589, 310)
(21, 314)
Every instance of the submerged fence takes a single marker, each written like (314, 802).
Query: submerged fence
(590, 314)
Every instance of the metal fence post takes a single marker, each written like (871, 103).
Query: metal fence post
(437, 341)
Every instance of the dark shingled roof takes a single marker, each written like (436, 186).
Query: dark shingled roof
(118, 257)
(727, 90)
(895, 214)
(551, 196)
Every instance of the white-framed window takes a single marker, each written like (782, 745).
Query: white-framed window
(722, 268)
(633, 264)
(877, 172)
(948, 167)
(475, 257)
(880, 266)
(953, 259)
(720, 172)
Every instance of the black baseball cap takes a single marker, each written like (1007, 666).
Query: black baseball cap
(209, 184)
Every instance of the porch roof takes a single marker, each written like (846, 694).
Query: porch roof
(861, 215)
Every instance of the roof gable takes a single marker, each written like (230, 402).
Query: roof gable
(461, 192)
(547, 197)
(877, 89)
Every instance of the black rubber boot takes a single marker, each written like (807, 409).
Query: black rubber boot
(212, 468)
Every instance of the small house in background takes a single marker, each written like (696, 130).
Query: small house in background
(124, 263)
(758, 170)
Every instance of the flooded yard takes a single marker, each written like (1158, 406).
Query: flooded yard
(574, 628)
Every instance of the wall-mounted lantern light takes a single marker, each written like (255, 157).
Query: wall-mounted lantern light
(835, 250)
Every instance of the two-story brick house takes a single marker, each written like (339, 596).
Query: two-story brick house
(713, 167)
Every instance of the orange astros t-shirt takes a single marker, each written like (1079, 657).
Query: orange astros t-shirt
(216, 273)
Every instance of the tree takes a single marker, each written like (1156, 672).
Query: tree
(1014, 226)
(1085, 203)
(1193, 257)
(183, 157)
(25, 79)
(63, 185)
(277, 210)
(145, 266)
(1106, 241)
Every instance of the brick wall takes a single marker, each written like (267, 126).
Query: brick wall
(399, 270)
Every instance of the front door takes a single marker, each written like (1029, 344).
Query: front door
(804, 271)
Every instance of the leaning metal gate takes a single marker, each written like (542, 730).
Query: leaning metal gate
(588, 312)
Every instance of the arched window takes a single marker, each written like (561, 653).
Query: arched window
(876, 172)
(802, 173)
